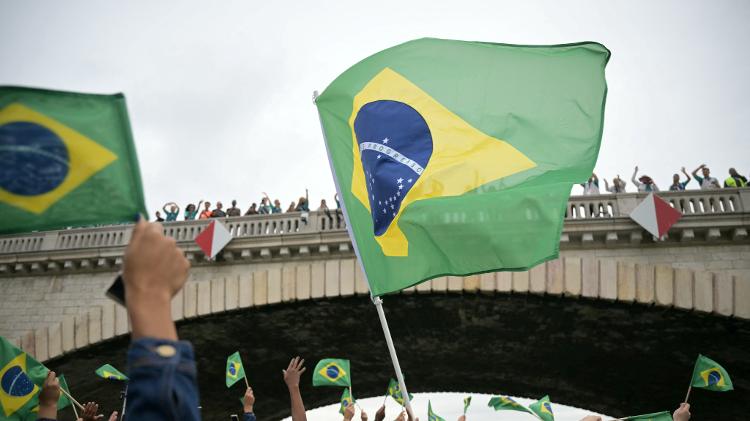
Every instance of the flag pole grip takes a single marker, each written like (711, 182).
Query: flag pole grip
(394, 358)
(688, 392)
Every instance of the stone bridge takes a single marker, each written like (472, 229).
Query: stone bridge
(52, 283)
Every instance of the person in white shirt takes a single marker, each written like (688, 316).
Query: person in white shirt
(644, 182)
(592, 186)
(706, 182)
(618, 185)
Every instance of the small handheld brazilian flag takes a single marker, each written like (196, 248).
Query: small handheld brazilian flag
(455, 157)
(506, 403)
(67, 160)
(394, 391)
(543, 409)
(332, 372)
(235, 370)
(467, 402)
(22, 377)
(110, 373)
(657, 416)
(431, 416)
(63, 402)
(346, 400)
(708, 374)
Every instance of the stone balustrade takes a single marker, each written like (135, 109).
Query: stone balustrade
(601, 220)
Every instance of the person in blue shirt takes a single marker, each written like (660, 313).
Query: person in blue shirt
(191, 211)
(678, 185)
(173, 211)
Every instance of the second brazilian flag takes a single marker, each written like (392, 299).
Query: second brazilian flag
(332, 372)
(454, 157)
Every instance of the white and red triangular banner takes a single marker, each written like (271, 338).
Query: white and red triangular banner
(213, 239)
(655, 215)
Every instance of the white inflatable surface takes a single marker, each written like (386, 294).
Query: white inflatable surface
(447, 405)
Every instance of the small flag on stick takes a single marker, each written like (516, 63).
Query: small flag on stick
(467, 402)
(332, 372)
(506, 403)
(213, 239)
(346, 400)
(395, 392)
(543, 409)
(110, 373)
(708, 374)
(235, 370)
(431, 416)
(657, 416)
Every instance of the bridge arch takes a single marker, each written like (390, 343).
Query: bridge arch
(608, 280)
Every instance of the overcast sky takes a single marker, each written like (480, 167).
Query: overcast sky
(219, 93)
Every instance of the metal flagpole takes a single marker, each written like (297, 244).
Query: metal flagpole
(375, 300)
(124, 401)
(394, 358)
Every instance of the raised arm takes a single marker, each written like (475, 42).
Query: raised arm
(635, 182)
(686, 175)
(291, 378)
(48, 397)
(695, 171)
(162, 371)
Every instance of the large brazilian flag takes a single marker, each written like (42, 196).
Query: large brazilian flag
(454, 157)
(66, 159)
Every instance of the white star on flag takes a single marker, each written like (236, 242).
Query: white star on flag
(409, 180)
(385, 141)
(400, 180)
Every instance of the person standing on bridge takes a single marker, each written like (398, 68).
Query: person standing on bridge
(644, 183)
(218, 212)
(191, 211)
(591, 187)
(707, 182)
(234, 210)
(206, 213)
(253, 210)
(618, 185)
(172, 212)
(735, 180)
(678, 185)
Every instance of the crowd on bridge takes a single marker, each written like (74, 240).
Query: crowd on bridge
(266, 207)
(162, 381)
(644, 183)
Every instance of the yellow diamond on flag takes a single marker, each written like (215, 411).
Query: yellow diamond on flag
(53, 158)
(332, 371)
(462, 159)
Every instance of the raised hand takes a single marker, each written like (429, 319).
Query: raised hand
(154, 270)
(248, 400)
(48, 396)
(89, 412)
(682, 413)
(113, 416)
(294, 371)
(380, 415)
(349, 412)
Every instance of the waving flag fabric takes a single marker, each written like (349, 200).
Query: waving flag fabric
(213, 239)
(431, 416)
(543, 409)
(66, 159)
(394, 391)
(332, 372)
(656, 416)
(108, 372)
(506, 403)
(235, 371)
(21, 378)
(457, 157)
(708, 374)
(346, 400)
